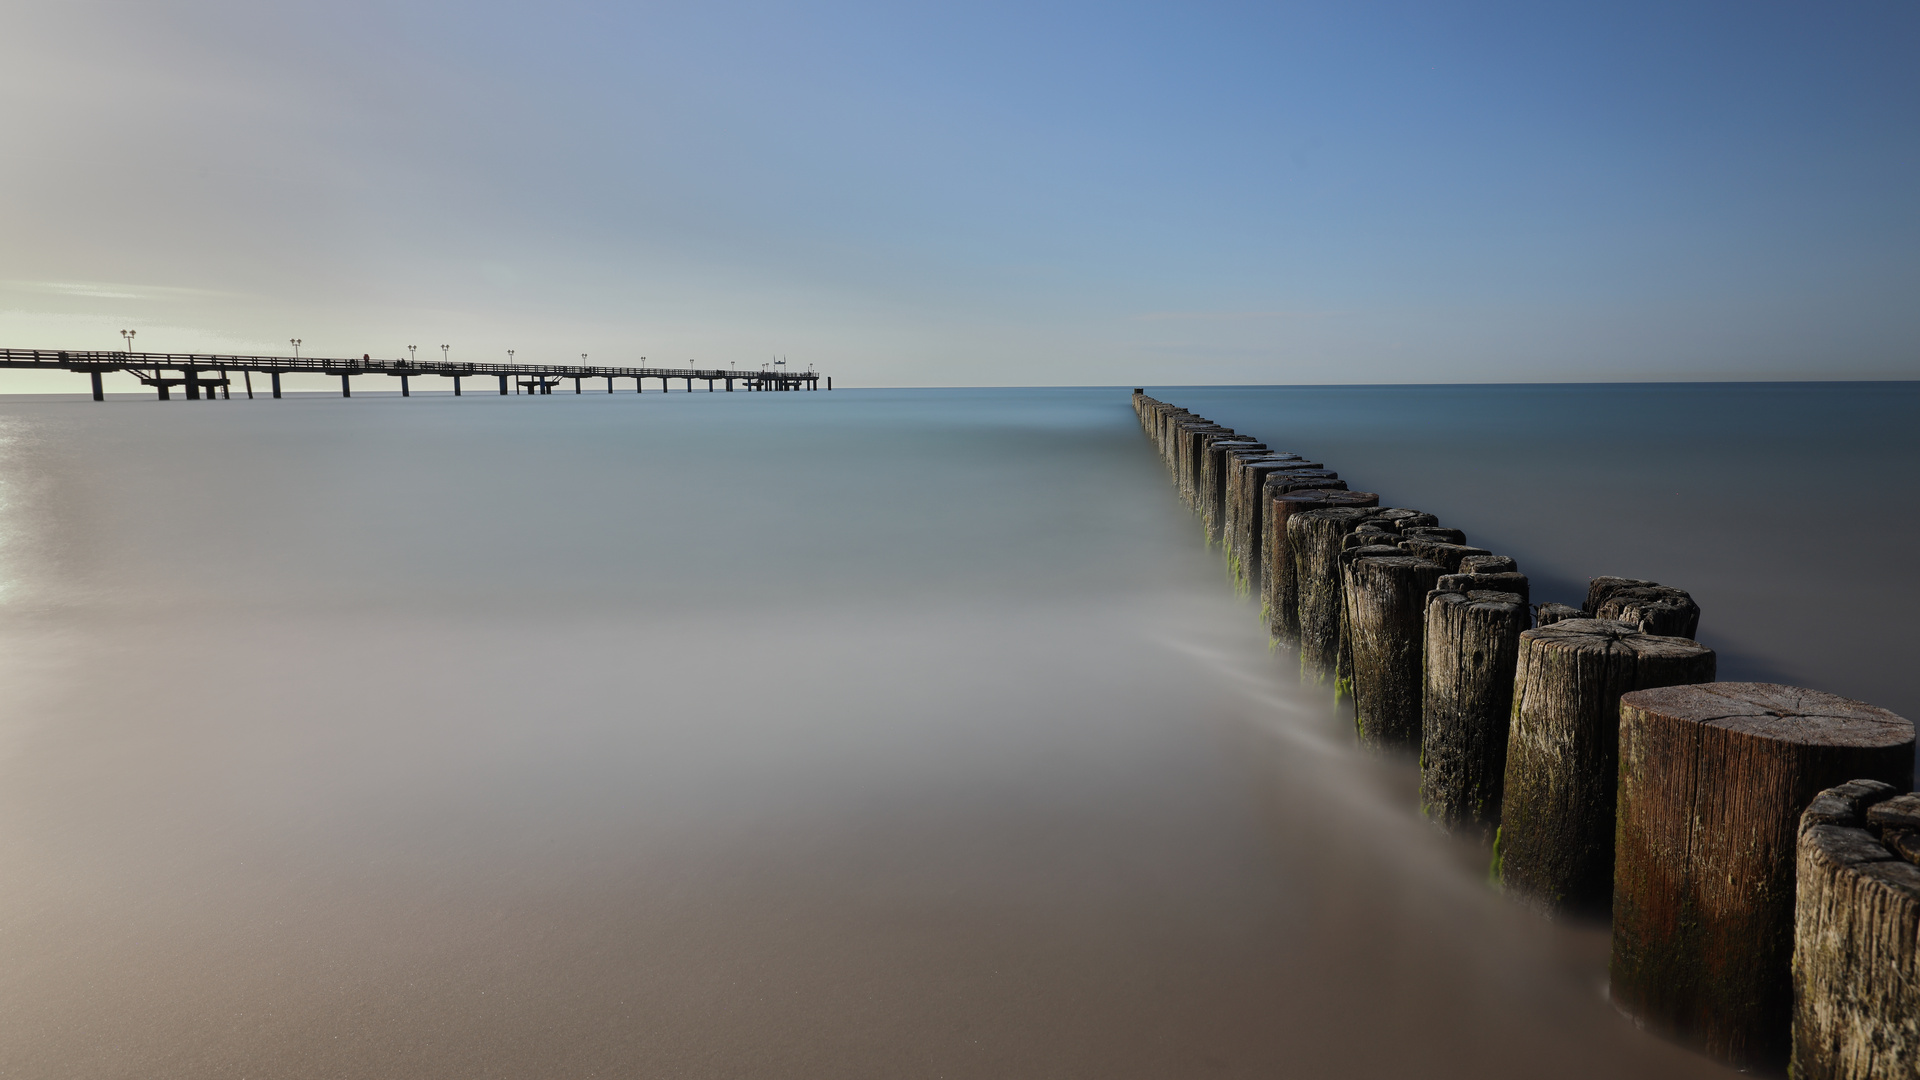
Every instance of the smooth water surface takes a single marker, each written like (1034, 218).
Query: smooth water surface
(852, 734)
(1786, 509)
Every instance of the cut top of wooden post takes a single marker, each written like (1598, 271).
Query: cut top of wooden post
(1489, 564)
(1598, 589)
(1791, 714)
(1548, 614)
(1396, 519)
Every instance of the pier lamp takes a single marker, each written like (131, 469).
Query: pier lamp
(410, 349)
(127, 336)
(509, 356)
(443, 353)
(295, 342)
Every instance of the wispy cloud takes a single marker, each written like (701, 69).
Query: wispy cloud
(110, 290)
(1232, 316)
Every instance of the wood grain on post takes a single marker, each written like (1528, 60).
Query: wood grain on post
(1383, 526)
(1434, 533)
(1235, 461)
(1548, 614)
(1314, 537)
(1279, 597)
(1271, 481)
(1488, 564)
(1250, 481)
(1367, 533)
(1398, 519)
(1660, 609)
(1213, 485)
(1203, 453)
(1856, 942)
(1655, 608)
(1472, 650)
(1385, 598)
(1713, 779)
(1555, 843)
(1448, 555)
(1192, 438)
(1163, 431)
(1511, 581)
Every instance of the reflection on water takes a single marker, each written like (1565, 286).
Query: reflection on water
(841, 735)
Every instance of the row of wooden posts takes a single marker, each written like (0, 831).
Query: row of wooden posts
(1754, 844)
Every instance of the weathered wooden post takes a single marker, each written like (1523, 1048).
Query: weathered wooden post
(1314, 537)
(1382, 527)
(1204, 464)
(1214, 465)
(1265, 480)
(1548, 614)
(1654, 608)
(1856, 968)
(1489, 573)
(1239, 502)
(1279, 598)
(1555, 843)
(1472, 651)
(1386, 599)
(1188, 437)
(1713, 779)
(1396, 519)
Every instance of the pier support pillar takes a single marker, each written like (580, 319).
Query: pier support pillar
(503, 386)
(276, 384)
(99, 391)
(346, 388)
(609, 384)
(456, 386)
(193, 385)
(576, 386)
(405, 390)
(165, 393)
(226, 387)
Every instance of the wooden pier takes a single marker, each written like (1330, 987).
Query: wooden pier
(209, 375)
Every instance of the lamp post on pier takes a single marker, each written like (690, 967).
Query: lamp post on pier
(295, 342)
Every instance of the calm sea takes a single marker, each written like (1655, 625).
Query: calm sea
(851, 734)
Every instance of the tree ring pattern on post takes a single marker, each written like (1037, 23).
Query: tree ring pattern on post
(1713, 779)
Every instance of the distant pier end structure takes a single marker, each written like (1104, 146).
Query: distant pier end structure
(208, 375)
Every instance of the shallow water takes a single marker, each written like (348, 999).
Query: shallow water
(844, 734)
(1786, 509)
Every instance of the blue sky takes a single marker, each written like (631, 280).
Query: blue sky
(989, 193)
